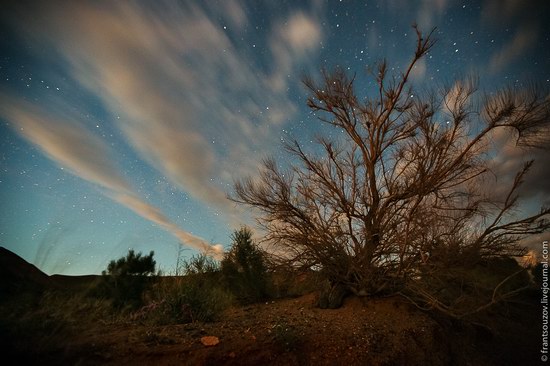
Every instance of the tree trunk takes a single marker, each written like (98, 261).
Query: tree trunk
(332, 295)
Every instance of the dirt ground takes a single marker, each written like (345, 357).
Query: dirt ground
(291, 331)
(294, 332)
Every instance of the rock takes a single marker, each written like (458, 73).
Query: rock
(210, 341)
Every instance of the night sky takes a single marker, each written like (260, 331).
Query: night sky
(124, 123)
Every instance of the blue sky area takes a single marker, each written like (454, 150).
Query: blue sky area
(123, 124)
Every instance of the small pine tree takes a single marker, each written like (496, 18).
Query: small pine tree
(126, 279)
(133, 264)
(244, 268)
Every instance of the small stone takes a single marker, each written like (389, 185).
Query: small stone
(210, 341)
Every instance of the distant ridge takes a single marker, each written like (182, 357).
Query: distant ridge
(18, 275)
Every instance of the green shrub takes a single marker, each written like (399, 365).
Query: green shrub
(126, 279)
(244, 269)
(76, 309)
(132, 265)
(289, 282)
(467, 290)
(196, 296)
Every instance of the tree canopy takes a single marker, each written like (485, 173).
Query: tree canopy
(132, 264)
(244, 268)
(398, 205)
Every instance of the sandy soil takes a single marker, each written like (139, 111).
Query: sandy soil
(290, 332)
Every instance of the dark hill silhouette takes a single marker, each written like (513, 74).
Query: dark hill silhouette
(74, 283)
(17, 275)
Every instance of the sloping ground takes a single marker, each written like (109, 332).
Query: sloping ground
(294, 332)
(284, 332)
(18, 275)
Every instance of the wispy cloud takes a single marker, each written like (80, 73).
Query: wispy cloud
(189, 100)
(292, 41)
(426, 13)
(517, 18)
(188, 93)
(458, 96)
(63, 139)
(524, 39)
(508, 161)
(419, 70)
(430, 12)
(233, 11)
(498, 10)
(67, 142)
(153, 214)
(535, 190)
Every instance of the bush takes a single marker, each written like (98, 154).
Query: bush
(197, 296)
(244, 268)
(126, 280)
(33, 328)
(466, 290)
(291, 282)
(132, 265)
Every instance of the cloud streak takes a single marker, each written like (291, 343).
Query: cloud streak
(153, 214)
(527, 29)
(524, 39)
(179, 85)
(293, 41)
(189, 99)
(67, 142)
(64, 140)
(508, 162)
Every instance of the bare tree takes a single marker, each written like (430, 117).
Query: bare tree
(397, 203)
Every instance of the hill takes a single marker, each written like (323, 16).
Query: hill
(17, 275)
